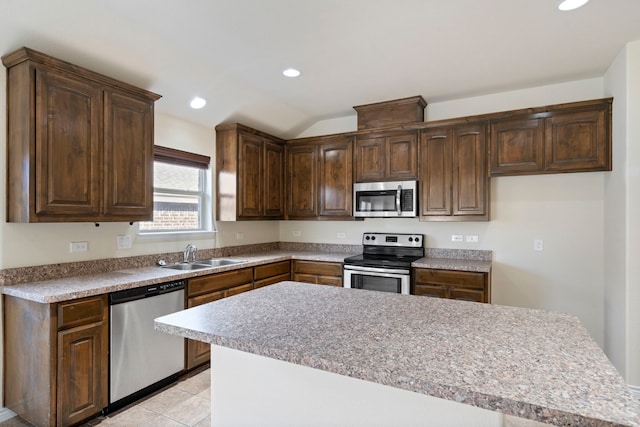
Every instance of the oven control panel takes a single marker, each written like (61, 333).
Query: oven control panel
(393, 239)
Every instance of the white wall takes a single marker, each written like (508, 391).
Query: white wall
(622, 287)
(565, 210)
(633, 214)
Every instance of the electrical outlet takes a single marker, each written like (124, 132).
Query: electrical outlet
(124, 241)
(341, 235)
(78, 246)
(456, 238)
(239, 236)
(297, 233)
(538, 245)
(472, 239)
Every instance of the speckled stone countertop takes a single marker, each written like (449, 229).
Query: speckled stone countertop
(85, 285)
(57, 290)
(528, 363)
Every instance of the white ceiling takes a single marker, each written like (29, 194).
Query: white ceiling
(351, 52)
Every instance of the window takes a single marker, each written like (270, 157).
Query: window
(179, 192)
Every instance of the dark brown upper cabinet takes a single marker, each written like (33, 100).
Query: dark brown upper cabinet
(454, 185)
(386, 157)
(573, 137)
(249, 174)
(320, 178)
(80, 144)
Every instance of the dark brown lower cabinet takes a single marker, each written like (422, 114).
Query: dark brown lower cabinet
(269, 274)
(205, 289)
(460, 285)
(321, 273)
(56, 359)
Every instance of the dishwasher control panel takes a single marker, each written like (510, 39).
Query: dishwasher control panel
(126, 295)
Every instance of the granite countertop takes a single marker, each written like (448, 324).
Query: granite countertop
(528, 363)
(69, 288)
(57, 290)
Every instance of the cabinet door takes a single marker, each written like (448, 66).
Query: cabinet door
(370, 159)
(128, 156)
(577, 141)
(402, 157)
(273, 180)
(302, 166)
(517, 146)
(199, 352)
(82, 372)
(67, 152)
(435, 172)
(336, 180)
(250, 176)
(470, 180)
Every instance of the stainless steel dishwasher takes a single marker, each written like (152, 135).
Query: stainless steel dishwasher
(142, 360)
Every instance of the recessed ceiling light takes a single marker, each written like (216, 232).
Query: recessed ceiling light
(291, 72)
(571, 4)
(197, 103)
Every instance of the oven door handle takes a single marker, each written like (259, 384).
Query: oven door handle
(372, 271)
(398, 195)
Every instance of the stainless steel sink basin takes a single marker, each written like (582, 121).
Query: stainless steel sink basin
(200, 264)
(186, 266)
(217, 262)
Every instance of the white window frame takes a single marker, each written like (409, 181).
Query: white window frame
(207, 223)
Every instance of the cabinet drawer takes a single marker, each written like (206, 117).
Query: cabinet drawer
(430, 291)
(238, 290)
(321, 268)
(79, 312)
(271, 280)
(203, 299)
(329, 280)
(460, 279)
(467, 295)
(269, 270)
(219, 282)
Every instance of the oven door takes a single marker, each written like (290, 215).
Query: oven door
(377, 279)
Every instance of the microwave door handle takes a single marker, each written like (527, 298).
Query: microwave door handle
(398, 195)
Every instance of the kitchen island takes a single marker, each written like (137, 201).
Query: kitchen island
(297, 350)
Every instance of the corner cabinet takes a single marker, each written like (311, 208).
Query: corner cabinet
(454, 183)
(80, 144)
(58, 354)
(249, 174)
(320, 178)
(573, 137)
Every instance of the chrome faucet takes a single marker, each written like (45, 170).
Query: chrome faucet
(189, 250)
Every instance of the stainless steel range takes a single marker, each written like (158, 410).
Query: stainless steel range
(385, 264)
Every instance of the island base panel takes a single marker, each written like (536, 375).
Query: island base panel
(285, 394)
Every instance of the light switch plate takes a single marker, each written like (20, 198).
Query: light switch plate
(456, 238)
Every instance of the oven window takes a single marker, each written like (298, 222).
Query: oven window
(376, 283)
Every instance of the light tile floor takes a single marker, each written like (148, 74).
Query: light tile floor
(185, 403)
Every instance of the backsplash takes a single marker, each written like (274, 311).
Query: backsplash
(38, 273)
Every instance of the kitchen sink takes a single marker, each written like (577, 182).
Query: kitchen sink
(186, 266)
(217, 262)
(200, 264)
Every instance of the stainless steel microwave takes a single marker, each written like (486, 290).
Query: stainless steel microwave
(391, 199)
